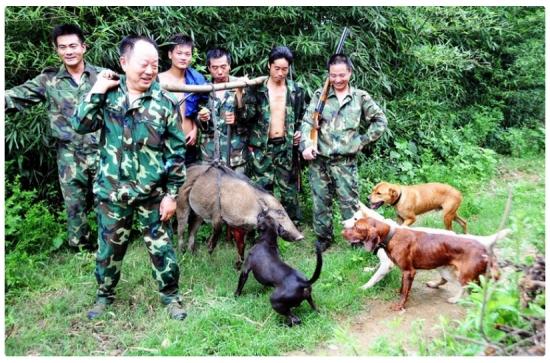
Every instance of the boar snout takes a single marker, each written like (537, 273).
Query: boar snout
(290, 235)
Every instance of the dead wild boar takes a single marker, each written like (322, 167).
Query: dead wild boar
(216, 194)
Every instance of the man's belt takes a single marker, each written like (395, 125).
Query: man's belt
(276, 140)
(342, 157)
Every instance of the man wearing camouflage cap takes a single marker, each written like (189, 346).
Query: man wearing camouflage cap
(141, 168)
(77, 155)
(350, 121)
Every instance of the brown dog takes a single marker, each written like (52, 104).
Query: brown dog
(461, 258)
(412, 200)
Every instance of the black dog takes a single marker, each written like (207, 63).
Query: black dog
(291, 286)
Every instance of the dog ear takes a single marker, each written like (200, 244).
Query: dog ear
(372, 240)
(393, 192)
(362, 224)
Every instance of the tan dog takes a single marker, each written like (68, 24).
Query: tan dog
(412, 200)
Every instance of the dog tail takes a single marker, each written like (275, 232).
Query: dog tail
(489, 241)
(319, 266)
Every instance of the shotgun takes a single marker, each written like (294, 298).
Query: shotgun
(324, 93)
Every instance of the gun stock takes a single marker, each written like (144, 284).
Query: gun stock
(318, 111)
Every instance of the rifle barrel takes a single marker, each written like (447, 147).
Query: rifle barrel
(343, 37)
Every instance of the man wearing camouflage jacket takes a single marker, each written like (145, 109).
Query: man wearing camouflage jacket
(141, 169)
(77, 155)
(226, 108)
(273, 111)
(350, 120)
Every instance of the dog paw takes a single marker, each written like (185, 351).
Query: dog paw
(397, 307)
(293, 320)
(365, 287)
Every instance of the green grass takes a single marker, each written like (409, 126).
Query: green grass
(48, 318)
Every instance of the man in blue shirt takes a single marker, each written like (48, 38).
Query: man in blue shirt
(180, 53)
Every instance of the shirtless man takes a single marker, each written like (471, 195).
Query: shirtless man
(180, 53)
(274, 111)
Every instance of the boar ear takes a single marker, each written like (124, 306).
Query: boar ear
(263, 205)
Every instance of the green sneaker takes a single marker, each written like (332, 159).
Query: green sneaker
(97, 310)
(175, 310)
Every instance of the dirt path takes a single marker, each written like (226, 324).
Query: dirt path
(379, 321)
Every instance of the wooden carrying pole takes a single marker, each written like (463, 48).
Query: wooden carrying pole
(203, 88)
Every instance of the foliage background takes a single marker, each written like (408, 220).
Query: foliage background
(451, 79)
(461, 86)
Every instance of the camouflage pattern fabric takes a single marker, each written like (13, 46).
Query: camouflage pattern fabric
(345, 129)
(271, 168)
(256, 116)
(239, 135)
(77, 155)
(270, 165)
(329, 178)
(142, 145)
(57, 88)
(142, 157)
(77, 170)
(115, 222)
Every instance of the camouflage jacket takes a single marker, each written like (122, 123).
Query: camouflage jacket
(142, 145)
(227, 103)
(257, 116)
(345, 129)
(61, 93)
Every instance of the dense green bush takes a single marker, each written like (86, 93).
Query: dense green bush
(448, 77)
(32, 231)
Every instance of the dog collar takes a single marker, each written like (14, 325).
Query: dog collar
(384, 244)
(398, 199)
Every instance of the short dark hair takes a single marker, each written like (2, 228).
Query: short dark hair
(217, 53)
(128, 43)
(180, 39)
(280, 52)
(339, 58)
(67, 29)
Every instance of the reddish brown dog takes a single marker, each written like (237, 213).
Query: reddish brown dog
(457, 257)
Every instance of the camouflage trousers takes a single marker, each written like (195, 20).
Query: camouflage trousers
(272, 167)
(77, 170)
(115, 223)
(330, 177)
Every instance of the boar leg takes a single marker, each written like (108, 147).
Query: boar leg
(195, 223)
(182, 222)
(213, 240)
(182, 214)
(239, 235)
